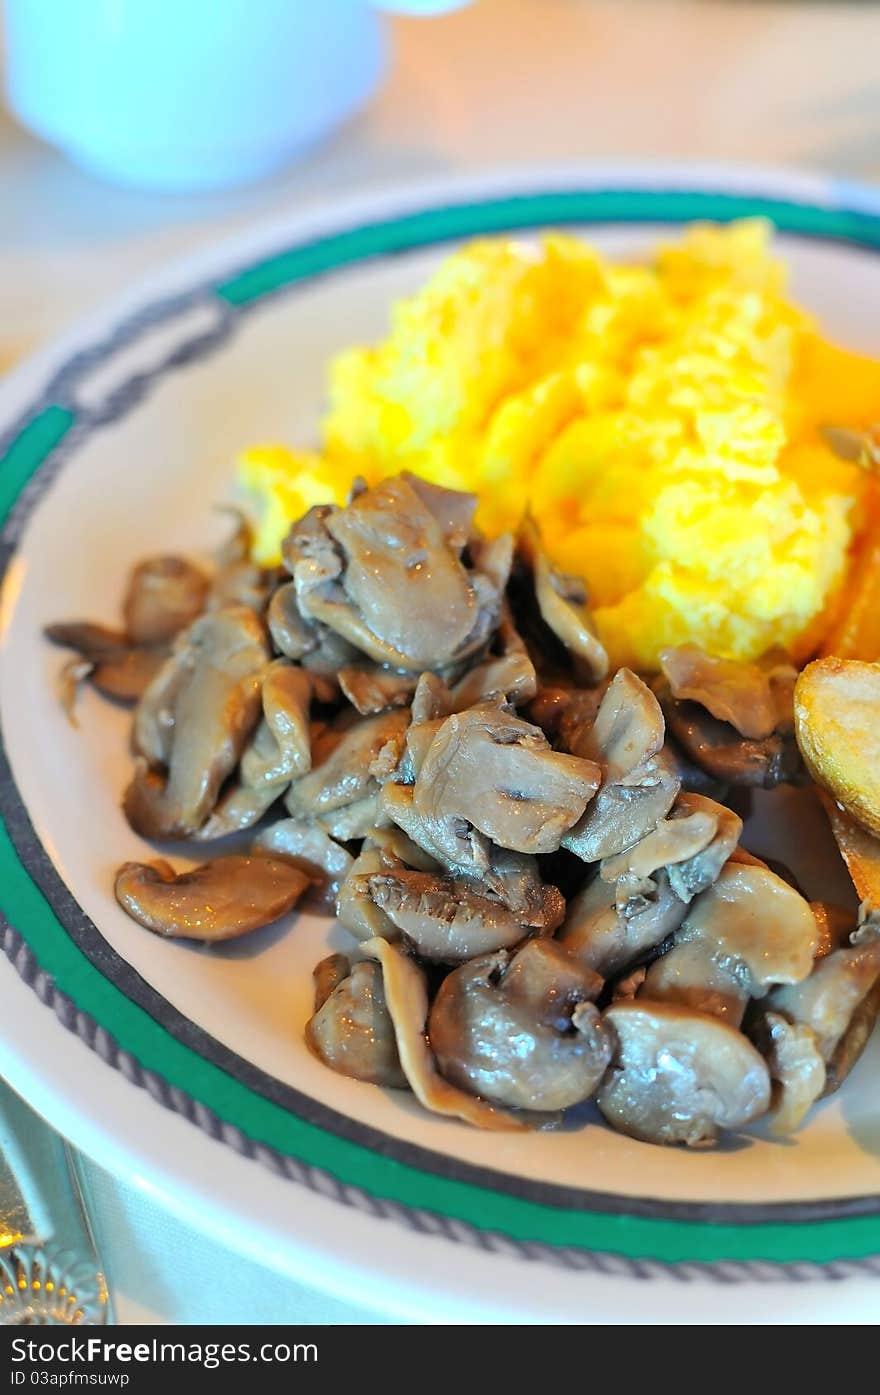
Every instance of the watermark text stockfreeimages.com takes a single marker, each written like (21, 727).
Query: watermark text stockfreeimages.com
(29, 1357)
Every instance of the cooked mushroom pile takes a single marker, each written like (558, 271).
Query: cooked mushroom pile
(546, 893)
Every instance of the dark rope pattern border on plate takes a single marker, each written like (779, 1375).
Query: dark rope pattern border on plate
(423, 1222)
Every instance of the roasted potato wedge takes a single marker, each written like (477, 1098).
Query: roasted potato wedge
(859, 849)
(837, 720)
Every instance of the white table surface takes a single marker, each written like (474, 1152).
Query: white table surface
(506, 83)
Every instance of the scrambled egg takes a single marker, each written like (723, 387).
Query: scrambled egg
(660, 422)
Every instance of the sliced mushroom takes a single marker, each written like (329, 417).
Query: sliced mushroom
(521, 1030)
(628, 729)
(431, 700)
(674, 840)
(749, 931)
(310, 554)
(697, 873)
(453, 510)
(330, 654)
(443, 919)
(693, 974)
(510, 878)
(797, 1070)
(514, 879)
(576, 713)
(243, 583)
(238, 580)
(165, 594)
(420, 737)
(153, 727)
(218, 901)
(679, 1076)
(838, 1001)
(328, 974)
(510, 673)
(197, 714)
(291, 634)
(611, 926)
(562, 604)
(278, 751)
(625, 811)
(352, 821)
(386, 761)
(454, 845)
(404, 597)
(388, 576)
(406, 581)
(371, 688)
(501, 775)
(756, 699)
(718, 748)
(127, 678)
(639, 784)
(94, 643)
(492, 558)
(407, 999)
(753, 916)
(308, 846)
(238, 545)
(397, 847)
(314, 562)
(352, 1031)
(238, 807)
(693, 844)
(281, 750)
(341, 764)
(854, 1039)
(694, 779)
(124, 679)
(336, 614)
(355, 908)
(114, 665)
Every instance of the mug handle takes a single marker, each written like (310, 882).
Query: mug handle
(418, 7)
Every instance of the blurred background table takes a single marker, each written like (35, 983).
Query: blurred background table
(505, 83)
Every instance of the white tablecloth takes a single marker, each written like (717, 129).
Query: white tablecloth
(508, 82)
(160, 1270)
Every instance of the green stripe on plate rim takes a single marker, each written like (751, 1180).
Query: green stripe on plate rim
(33, 444)
(268, 1123)
(436, 225)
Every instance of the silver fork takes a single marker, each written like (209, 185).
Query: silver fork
(50, 1274)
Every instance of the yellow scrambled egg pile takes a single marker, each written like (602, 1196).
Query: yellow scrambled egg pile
(659, 421)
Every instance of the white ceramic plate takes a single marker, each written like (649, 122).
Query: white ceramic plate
(182, 1068)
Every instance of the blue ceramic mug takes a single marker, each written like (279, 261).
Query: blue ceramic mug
(193, 94)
